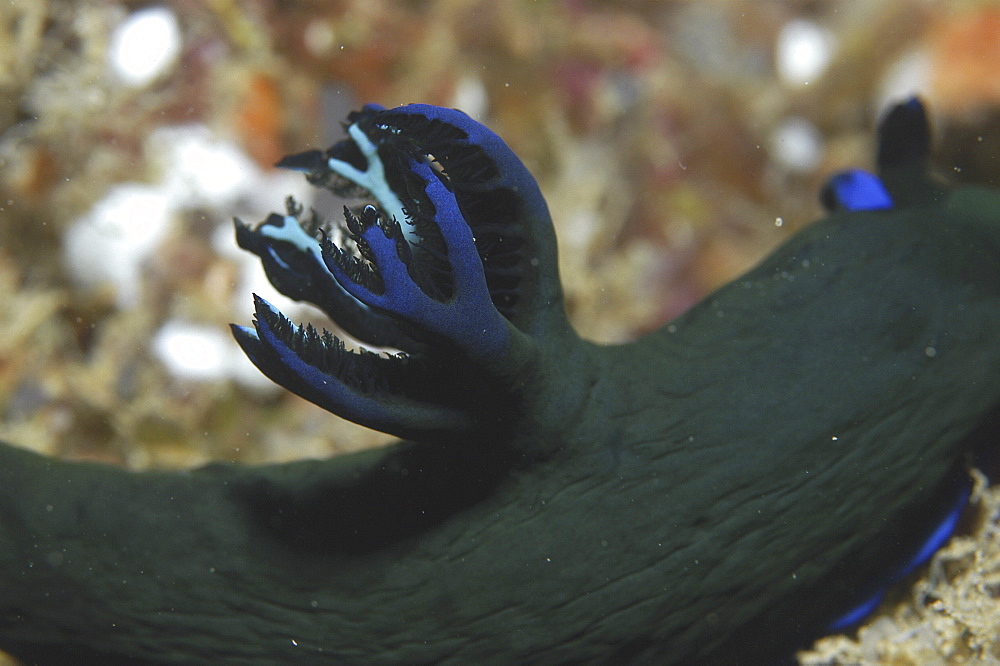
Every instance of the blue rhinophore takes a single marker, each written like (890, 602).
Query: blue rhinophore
(855, 190)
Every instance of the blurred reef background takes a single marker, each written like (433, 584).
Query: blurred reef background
(676, 143)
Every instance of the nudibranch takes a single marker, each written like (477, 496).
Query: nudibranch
(752, 475)
(455, 268)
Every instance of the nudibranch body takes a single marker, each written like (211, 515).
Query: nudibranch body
(753, 474)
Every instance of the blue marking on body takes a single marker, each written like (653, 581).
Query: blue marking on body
(938, 538)
(857, 614)
(934, 541)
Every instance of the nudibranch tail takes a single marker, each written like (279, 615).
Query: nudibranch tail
(452, 262)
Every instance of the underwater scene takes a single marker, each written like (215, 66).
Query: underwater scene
(499, 332)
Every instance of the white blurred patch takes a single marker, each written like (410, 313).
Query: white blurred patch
(145, 46)
(191, 351)
(909, 75)
(471, 96)
(796, 144)
(803, 52)
(198, 169)
(319, 37)
(109, 243)
(202, 353)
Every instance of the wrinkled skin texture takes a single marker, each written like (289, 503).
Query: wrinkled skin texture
(720, 490)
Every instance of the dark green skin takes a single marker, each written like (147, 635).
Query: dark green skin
(674, 500)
